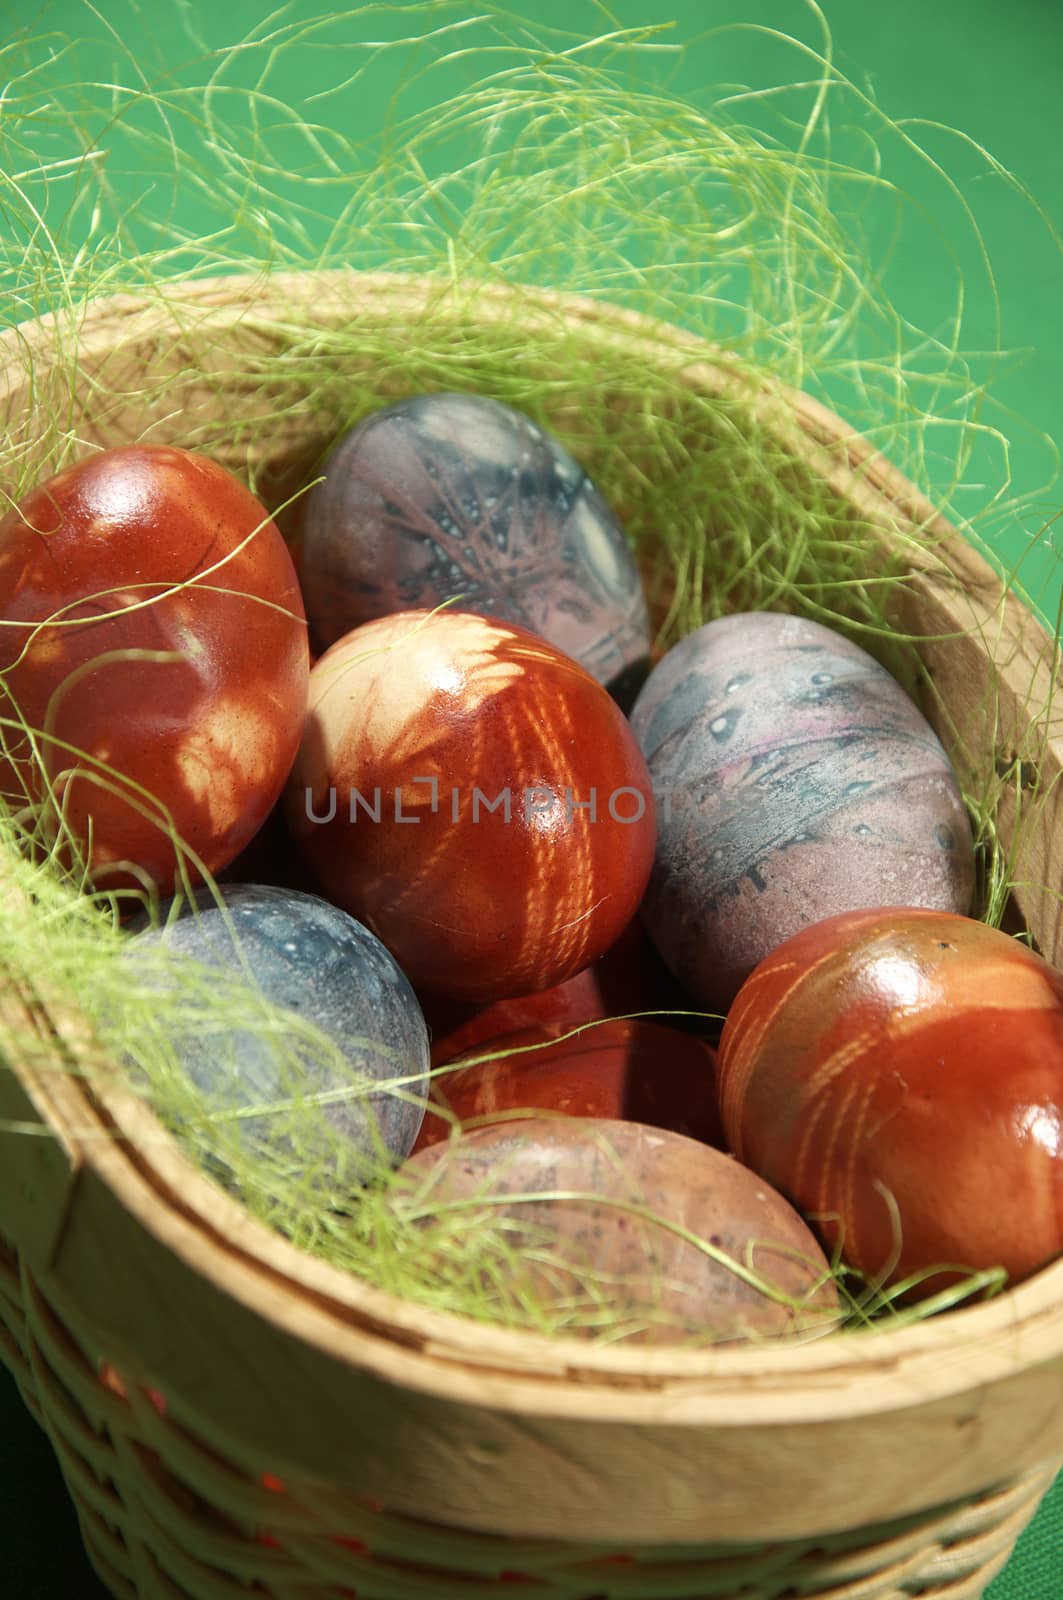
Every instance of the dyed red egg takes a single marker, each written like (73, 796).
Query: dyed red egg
(899, 1073)
(630, 976)
(599, 1216)
(634, 1070)
(474, 797)
(154, 641)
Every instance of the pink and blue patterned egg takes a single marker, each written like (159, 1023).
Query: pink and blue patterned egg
(795, 779)
(359, 1105)
(455, 497)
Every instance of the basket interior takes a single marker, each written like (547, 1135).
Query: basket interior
(108, 1216)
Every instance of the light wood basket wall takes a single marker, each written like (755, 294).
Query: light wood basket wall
(232, 1417)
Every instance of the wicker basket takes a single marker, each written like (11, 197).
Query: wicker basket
(319, 1438)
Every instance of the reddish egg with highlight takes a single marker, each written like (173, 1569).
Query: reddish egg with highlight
(629, 977)
(475, 797)
(622, 1068)
(899, 1075)
(154, 662)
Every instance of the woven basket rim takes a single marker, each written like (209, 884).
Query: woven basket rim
(848, 1375)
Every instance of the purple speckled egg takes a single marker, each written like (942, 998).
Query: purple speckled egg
(604, 1222)
(454, 497)
(795, 779)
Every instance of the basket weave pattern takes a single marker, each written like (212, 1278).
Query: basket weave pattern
(150, 1534)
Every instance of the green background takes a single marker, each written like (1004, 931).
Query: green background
(994, 71)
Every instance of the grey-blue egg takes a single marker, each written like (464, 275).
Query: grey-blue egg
(455, 497)
(795, 780)
(355, 1105)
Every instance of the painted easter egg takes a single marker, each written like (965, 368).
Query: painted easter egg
(454, 497)
(629, 976)
(899, 1073)
(154, 639)
(476, 798)
(622, 1067)
(796, 780)
(307, 956)
(606, 1241)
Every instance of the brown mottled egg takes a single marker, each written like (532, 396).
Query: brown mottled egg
(795, 780)
(475, 798)
(599, 1211)
(454, 497)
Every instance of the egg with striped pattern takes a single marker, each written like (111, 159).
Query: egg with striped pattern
(797, 780)
(153, 664)
(475, 797)
(899, 1075)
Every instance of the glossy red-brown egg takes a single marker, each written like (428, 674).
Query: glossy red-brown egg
(600, 1217)
(622, 1068)
(154, 640)
(476, 798)
(629, 977)
(899, 1074)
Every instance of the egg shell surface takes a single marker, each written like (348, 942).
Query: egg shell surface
(476, 798)
(456, 497)
(315, 961)
(155, 638)
(622, 1067)
(899, 1073)
(629, 977)
(795, 780)
(602, 1233)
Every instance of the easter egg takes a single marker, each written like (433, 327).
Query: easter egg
(899, 1073)
(796, 780)
(598, 1214)
(476, 798)
(454, 497)
(629, 976)
(154, 642)
(622, 1067)
(323, 968)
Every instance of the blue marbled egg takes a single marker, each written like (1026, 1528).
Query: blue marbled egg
(454, 497)
(795, 779)
(322, 966)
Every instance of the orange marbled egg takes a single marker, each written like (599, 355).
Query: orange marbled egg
(476, 798)
(899, 1074)
(153, 662)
